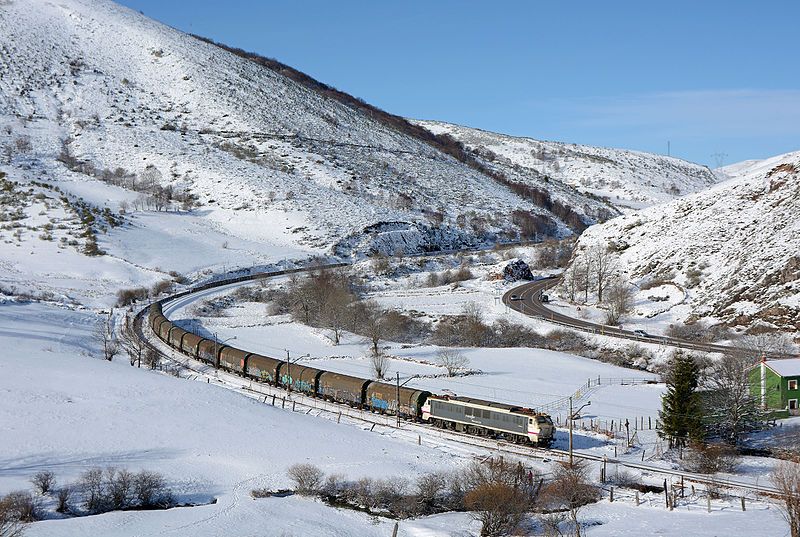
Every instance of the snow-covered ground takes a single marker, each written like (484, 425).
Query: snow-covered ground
(66, 410)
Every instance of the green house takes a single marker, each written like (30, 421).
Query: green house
(777, 384)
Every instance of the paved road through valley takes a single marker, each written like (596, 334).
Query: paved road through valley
(528, 300)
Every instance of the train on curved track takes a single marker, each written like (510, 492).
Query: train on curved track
(463, 414)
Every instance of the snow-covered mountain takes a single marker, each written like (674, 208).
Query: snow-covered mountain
(626, 179)
(735, 247)
(113, 112)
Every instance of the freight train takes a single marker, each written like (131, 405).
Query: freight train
(468, 415)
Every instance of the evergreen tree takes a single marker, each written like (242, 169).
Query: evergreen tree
(681, 414)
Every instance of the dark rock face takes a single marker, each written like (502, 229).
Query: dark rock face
(517, 270)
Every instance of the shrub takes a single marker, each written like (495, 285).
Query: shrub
(125, 297)
(150, 489)
(63, 496)
(307, 478)
(44, 481)
(498, 506)
(691, 332)
(22, 506)
(711, 458)
(163, 286)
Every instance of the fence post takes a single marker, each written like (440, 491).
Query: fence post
(743, 508)
(611, 499)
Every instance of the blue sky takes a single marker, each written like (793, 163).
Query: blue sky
(712, 78)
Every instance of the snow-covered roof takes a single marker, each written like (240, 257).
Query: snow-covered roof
(785, 368)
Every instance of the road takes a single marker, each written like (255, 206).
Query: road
(528, 301)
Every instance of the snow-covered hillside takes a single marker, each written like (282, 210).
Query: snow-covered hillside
(126, 114)
(735, 247)
(627, 179)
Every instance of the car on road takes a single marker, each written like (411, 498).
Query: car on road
(516, 297)
(641, 333)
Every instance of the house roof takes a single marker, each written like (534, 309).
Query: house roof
(785, 368)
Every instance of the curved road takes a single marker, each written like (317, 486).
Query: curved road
(527, 300)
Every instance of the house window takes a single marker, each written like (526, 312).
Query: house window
(792, 404)
(792, 384)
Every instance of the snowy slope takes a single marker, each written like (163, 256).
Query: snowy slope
(92, 90)
(627, 179)
(741, 239)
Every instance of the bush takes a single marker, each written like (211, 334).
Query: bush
(163, 286)
(150, 490)
(711, 458)
(499, 508)
(691, 332)
(44, 481)
(114, 489)
(63, 500)
(307, 478)
(10, 524)
(566, 341)
(126, 297)
(22, 506)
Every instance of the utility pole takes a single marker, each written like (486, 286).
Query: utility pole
(216, 354)
(570, 430)
(397, 410)
(398, 399)
(289, 368)
(572, 417)
(216, 347)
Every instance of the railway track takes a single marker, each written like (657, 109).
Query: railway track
(408, 430)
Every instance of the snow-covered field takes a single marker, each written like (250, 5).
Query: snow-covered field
(66, 410)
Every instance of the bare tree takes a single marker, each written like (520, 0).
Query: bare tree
(44, 481)
(786, 478)
(63, 496)
(602, 267)
(334, 308)
(452, 360)
(498, 506)
(778, 345)
(474, 329)
(133, 346)
(104, 336)
(732, 409)
(150, 489)
(585, 277)
(619, 299)
(570, 282)
(499, 495)
(570, 489)
(152, 358)
(380, 364)
(373, 324)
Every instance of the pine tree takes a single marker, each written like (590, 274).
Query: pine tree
(681, 414)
